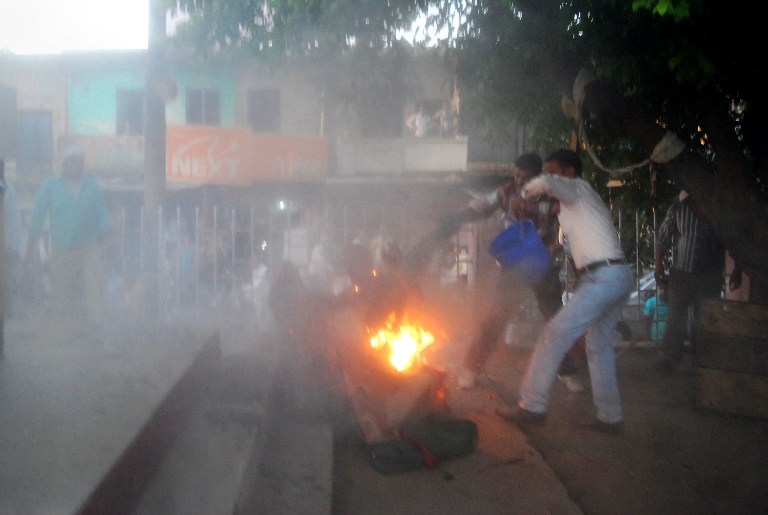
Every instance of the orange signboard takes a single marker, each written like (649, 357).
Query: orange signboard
(221, 155)
(208, 155)
(279, 157)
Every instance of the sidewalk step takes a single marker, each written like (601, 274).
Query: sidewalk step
(204, 470)
(296, 471)
(81, 423)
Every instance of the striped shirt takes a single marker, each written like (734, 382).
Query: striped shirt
(542, 211)
(695, 246)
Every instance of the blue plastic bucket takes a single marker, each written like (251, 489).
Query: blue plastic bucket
(520, 247)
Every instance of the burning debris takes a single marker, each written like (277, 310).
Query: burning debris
(403, 342)
(376, 348)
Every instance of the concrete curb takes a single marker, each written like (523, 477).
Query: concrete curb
(120, 490)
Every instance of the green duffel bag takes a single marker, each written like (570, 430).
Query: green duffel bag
(425, 443)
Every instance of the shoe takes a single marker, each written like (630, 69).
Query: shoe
(467, 379)
(572, 382)
(520, 416)
(609, 428)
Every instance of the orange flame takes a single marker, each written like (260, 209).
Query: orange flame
(404, 342)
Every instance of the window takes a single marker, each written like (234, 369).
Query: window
(35, 143)
(203, 107)
(264, 110)
(130, 112)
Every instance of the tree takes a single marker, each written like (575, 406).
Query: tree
(679, 66)
(660, 69)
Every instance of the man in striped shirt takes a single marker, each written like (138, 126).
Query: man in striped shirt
(698, 261)
(505, 304)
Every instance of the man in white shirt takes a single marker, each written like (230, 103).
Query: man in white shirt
(419, 123)
(604, 282)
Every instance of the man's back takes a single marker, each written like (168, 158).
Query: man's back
(696, 248)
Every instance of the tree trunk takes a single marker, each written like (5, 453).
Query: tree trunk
(154, 156)
(722, 187)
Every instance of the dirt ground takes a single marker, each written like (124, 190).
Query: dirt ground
(673, 458)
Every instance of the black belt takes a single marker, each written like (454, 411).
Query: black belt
(603, 262)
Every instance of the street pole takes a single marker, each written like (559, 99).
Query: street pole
(154, 154)
(3, 277)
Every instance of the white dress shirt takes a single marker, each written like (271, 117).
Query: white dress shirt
(584, 218)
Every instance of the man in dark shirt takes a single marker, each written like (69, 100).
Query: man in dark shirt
(542, 211)
(698, 261)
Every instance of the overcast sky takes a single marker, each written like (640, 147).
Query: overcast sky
(52, 26)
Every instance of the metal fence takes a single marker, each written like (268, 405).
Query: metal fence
(222, 255)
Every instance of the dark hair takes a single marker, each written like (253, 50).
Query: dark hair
(566, 158)
(529, 162)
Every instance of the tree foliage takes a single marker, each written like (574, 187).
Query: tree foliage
(292, 28)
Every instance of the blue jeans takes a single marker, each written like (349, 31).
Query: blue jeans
(594, 308)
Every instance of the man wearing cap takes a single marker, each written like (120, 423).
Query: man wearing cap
(73, 206)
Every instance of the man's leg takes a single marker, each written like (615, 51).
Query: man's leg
(680, 295)
(91, 265)
(504, 306)
(549, 295)
(704, 286)
(601, 357)
(486, 342)
(597, 294)
(65, 293)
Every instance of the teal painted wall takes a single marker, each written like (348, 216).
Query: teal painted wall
(92, 99)
(217, 79)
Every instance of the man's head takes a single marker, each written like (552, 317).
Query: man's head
(563, 162)
(72, 162)
(527, 166)
(698, 208)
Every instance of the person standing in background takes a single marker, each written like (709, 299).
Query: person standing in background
(73, 207)
(419, 123)
(655, 312)
(698, 262)
(443, 120)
